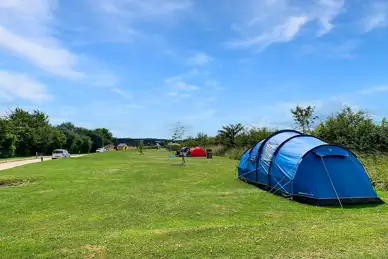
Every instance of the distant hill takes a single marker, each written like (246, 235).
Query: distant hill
(132, 141)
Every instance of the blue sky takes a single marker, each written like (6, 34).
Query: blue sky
(139, 66)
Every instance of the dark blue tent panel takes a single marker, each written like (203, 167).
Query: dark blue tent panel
(305, 168)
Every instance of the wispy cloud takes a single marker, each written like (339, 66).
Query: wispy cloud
(179, 85)
(21, 86)
(25, 29)
(211, 99)
(122, 18)
(143, 8)
(346, 49)
(281, 33)
(134, 106)
(212, 83)
(28, 31)
(376, 16)
(178, 95)
(277, 21)
(121, 93)
(199, 59)
(374, 90)
(45, 53)
(184, 76)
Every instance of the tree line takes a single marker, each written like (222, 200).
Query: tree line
(24, 133)
(354, 130)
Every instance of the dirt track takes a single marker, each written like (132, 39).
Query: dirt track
(8, 165)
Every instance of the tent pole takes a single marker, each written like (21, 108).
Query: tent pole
(332, 184)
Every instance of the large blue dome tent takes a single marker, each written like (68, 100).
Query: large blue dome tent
(304, 168)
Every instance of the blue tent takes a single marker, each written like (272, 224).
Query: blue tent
(302, 167)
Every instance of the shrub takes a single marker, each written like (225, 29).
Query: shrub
(235, 153)
(150, 147)
(219, 150)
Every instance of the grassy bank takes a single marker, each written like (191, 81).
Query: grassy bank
(126, 205)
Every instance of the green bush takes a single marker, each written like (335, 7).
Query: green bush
(377, 167)
(232, 153)
(235, 153)
(218, 150)
(174, 147)
(150, 147)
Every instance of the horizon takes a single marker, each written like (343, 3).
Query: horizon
(138, 67)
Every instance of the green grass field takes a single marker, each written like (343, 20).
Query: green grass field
(125, 205)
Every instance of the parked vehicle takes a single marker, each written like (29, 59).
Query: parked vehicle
(60, 153)
(185, 151)
(101, 149)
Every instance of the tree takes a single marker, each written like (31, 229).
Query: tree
(97, 138)
(201, 139)
(86, 144)
(140, 146)
(229, 133)
(29, 129)
(7, 139)
(250, 136)
(354, 130)
(58, 139)
(107, 136)
(304, 118)
(178, 131)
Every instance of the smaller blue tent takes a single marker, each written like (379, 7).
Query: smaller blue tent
(305, 168)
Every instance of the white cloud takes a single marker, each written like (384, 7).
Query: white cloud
(25, 29)
(211, 99)
(120, 19)
(276, 21)
(103, 78)
(212, 83)
(346, 49)
(134, 106)
(28, 30)
(143, 8)
(376, 16)
(178, 88)
(179, 85)
(121, 93)
(373, 90)
(185, 76)
(178, 95)
(327, 11)
(45, 53)
(280, 33)
(13, 85)
(199, 59)
(27, 17)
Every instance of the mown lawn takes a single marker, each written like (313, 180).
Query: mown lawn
(125, 205)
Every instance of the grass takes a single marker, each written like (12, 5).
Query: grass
(126, 205)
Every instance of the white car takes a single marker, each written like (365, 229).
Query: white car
(60, 153)
(101, 149)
